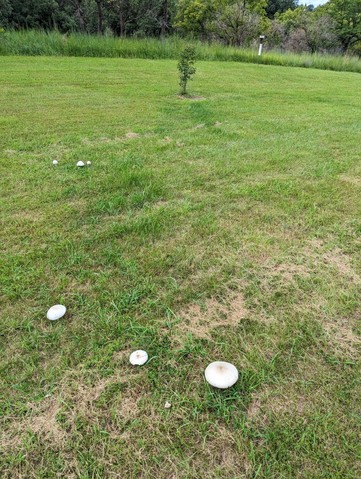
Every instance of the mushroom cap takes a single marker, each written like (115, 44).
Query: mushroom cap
(80, 163)
(55, 162)
(138, 358)
(88, 163)
(56, 312)
(221, 375)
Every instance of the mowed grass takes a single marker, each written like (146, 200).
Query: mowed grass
(225, 227)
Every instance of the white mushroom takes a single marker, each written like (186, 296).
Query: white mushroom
(221, 375)
(88, 163)
(56, 312)
(80, 163)
(138, 358)
(55, 162)
(167, 405)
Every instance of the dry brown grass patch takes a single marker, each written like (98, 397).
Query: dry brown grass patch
(282, 402)
(353, 180)
(289, 271)
(74, 398)
(191, 97)
(131, 134)
(342, 336)
(334, 257)
(342, 262)
(201, 319)
(42, 421)
(221, 453)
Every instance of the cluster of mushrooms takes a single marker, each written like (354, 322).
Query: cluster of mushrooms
(219, 374)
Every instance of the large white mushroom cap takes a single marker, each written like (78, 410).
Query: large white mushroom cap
(221, 375)
(56, 312)
(80, 163)
(138, 358)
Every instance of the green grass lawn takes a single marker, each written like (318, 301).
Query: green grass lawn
(226, 227)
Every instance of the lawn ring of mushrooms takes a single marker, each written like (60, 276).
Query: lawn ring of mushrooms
(221, 375)
(56, 312)
(138, 358)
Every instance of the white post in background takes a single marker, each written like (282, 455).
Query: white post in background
(261, 38)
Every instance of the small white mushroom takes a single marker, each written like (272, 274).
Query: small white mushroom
(138, 358)
(88, 163)
(167, 405)
(221, 375)
(56, 312)
(55, 162)
(80, 163)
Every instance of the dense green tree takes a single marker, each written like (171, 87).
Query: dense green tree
(280, 6)
(347, 15)
(237, 23)
(192, 15)
(294, 19)
(120, 16)
(33, 13)
(5, 12)
(308, 31)
(197, 16)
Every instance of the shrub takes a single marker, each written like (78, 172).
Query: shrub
(186, 67)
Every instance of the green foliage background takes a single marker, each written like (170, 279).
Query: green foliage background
(333, 27)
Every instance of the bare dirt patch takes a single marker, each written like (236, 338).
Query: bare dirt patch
(191, 97)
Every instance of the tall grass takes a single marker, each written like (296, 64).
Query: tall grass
(79, 45)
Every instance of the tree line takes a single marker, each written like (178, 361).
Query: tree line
(332, 27)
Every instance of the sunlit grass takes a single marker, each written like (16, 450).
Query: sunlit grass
(223, 228)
